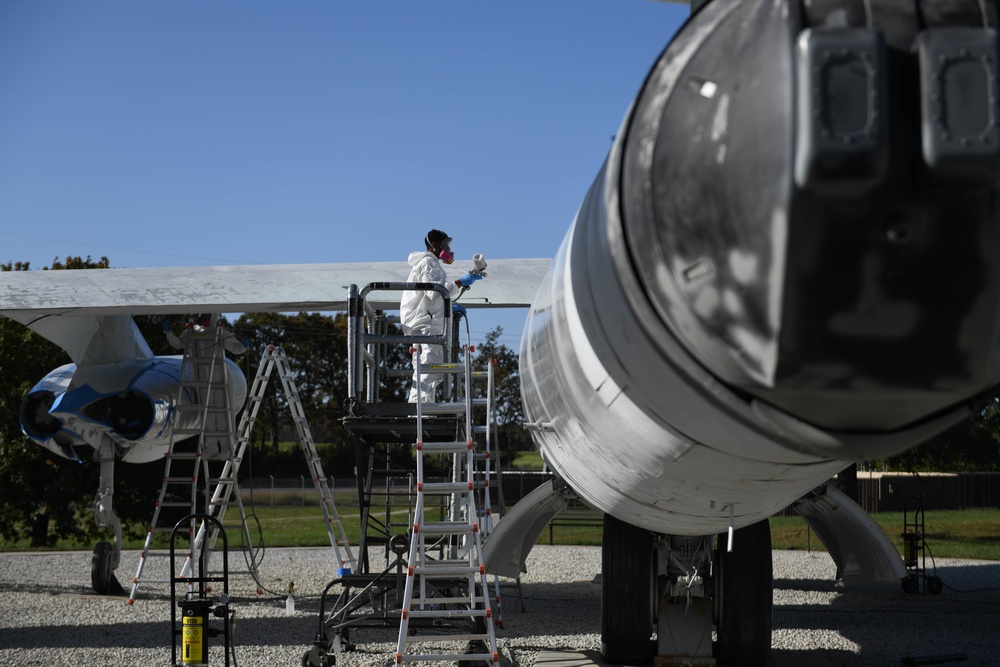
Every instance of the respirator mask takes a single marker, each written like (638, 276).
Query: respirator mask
(444, 253)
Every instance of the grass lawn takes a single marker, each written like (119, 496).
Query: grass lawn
(949, 534)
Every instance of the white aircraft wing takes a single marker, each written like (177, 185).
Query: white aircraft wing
(509, 283)
(86, 311)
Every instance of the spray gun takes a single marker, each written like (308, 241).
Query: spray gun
(479, 262)
(479, 269)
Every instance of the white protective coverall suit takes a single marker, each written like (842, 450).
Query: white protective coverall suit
(421, 313)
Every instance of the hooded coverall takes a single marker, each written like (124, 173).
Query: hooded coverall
(421, 313)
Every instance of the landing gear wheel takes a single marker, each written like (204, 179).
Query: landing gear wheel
(935, 585)
(744, 597)
(102, 575)
(626, 593)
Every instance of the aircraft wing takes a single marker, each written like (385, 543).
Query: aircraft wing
(510, 283)
(86, 311)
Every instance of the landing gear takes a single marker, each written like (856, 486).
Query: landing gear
(106, 556)
(743, 596)
(102, 571)
(626, 593)
(683, 587)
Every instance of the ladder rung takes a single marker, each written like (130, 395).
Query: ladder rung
(442, 368)
(443, 408)
(444, 488)
(444, 447)
(446, 528)
(199, 384)
(453, 657)
(447, 570)
(446, 613)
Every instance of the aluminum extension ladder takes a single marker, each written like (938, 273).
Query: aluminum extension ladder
(203, 433)
(491, 504)
(450, 593)
(274, 358)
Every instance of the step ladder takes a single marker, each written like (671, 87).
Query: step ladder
(274, 358)
(202, 435)
(446, 599)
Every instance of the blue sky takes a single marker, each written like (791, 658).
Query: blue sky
(189, 133)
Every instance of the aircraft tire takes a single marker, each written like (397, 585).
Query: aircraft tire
(626, 593)
(102, 576)
(744, 590)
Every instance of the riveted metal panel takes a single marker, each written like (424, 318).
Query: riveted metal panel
(841, 137)
(961, 133)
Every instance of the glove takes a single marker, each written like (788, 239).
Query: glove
(166, 326)
(470, 278)
(457, 309)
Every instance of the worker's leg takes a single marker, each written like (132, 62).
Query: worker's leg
(427, 384)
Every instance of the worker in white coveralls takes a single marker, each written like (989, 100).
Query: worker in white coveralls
(421, 312)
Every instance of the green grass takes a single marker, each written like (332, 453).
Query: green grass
(527, 460)
(949, 534)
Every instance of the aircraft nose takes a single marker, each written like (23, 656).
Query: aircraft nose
(805, 244)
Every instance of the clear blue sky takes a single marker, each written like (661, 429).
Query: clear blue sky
(188, 133)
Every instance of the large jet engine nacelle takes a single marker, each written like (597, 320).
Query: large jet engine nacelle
(787, 263)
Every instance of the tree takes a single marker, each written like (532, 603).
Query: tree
(971, 445)
(316, 346)
(507, 389)
(39, 487)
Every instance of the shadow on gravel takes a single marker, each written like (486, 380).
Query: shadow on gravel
(889, 625)
(276, 631)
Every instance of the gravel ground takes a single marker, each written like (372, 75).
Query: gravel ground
(49, 617)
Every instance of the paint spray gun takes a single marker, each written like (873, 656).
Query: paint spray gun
(479, 262)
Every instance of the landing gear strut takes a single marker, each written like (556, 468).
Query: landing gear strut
(683, 588)
(106, 556)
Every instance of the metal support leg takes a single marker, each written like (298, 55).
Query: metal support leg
(107, 556)
(103, 509)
